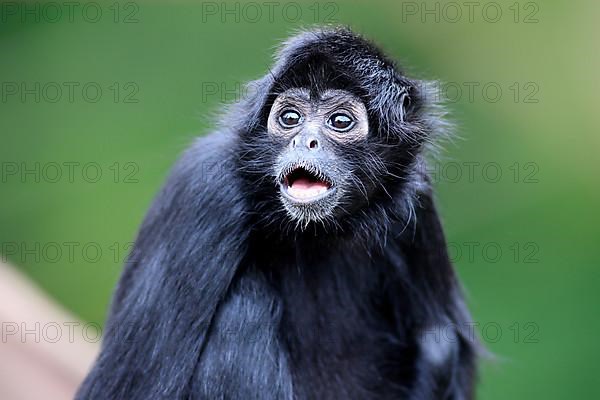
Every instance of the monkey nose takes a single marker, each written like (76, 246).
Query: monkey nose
(311, 142)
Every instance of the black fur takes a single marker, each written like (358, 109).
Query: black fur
(225, 297)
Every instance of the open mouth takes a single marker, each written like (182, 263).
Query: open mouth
(306, 184)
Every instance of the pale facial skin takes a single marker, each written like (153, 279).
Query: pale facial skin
(337, 114)
(311, 176)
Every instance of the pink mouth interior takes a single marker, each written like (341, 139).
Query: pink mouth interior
(303, 185)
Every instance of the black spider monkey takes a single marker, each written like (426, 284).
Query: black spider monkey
(296, 252)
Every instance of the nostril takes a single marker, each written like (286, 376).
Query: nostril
(294, 142)
(313, 144)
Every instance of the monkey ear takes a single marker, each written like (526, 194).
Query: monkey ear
(247, 114)
(430, 108)
(393, 100)
(405, 103)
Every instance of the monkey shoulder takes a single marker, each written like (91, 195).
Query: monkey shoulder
(204, 181)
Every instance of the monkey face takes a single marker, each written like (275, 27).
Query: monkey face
(315, 172)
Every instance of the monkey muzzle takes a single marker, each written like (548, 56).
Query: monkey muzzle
(304, 182)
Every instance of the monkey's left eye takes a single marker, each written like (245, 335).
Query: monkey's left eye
(341, 122)
(289, 118)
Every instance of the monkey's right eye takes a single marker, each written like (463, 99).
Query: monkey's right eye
(289, 118)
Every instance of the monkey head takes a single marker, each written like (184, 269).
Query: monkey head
(336, 133)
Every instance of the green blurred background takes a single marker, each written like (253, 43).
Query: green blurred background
(525, 243)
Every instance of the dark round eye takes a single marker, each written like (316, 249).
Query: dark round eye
(289, 118)
(341, 122)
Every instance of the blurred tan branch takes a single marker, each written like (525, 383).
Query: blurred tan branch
(32, 367)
